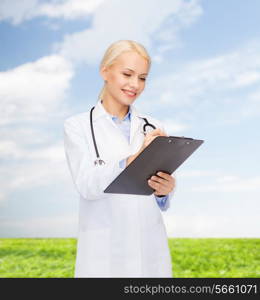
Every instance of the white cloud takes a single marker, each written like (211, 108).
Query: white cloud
(255, 96)
(31, 159)
(227, 179)
(2, 197)
(205, 181)
(202, 226)
(247, 78)
(18, 11)
(199, 226)
(230, 184)
(31, 91)
(37, 174)
(173, 128)
(218, 181)
(136, 20)
(34, 168)
(200, 87)
(71, 9)
(196, 173)
(45, 227)
(25, 135)
(52, 152)
(9, 149)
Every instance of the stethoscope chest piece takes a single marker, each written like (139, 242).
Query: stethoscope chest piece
(99, 162)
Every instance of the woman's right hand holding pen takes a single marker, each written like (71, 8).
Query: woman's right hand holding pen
(149, 137)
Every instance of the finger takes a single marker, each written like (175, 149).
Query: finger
(169, 185)
(165, 176)
(159, 188)
(163, 187)
(153, 184)
(160, 194)
(162, 181)
(149, 139)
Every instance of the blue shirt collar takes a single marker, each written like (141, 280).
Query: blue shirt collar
(127, 117)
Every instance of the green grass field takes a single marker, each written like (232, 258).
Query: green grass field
(55, 257)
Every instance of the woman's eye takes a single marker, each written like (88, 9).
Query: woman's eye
(130, 75)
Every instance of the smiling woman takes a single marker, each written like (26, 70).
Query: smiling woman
(120, 235)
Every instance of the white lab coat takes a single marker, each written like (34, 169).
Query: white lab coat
(119, 235)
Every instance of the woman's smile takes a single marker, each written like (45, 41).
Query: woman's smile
(129, 93)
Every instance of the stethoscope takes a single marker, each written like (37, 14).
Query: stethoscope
(99, 161)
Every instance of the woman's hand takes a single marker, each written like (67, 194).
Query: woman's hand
(149, 137)
(163, 184)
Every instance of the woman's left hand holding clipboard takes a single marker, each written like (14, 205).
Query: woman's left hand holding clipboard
(162, 183)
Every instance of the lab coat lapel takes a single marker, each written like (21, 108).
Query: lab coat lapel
(103, 121)
(136, 122)
(99, 111)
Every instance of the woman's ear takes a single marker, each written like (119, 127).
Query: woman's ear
(103, 73)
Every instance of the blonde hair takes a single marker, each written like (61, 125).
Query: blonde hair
(116, 49)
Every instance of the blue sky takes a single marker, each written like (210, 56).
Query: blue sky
(203, 83)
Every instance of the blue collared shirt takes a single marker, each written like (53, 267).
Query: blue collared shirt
(124, 126)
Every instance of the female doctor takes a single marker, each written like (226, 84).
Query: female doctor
(120, 235)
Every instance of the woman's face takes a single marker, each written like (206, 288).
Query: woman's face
(126, 77)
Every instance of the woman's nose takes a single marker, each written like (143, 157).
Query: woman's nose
(134, 82)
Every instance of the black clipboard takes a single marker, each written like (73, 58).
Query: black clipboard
(164, 154)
